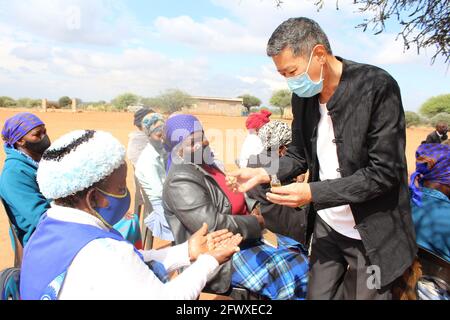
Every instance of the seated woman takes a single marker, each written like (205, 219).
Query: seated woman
(195, 192)
(275, 137)
(25, 140)
(76, 254)
(430, 204)
(151, 173)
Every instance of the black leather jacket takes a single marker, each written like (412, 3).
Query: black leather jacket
(191, 196)
(369, 126)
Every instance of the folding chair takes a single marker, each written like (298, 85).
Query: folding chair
(435, 270)
(10, 284)
(18, 248)
(143, 208)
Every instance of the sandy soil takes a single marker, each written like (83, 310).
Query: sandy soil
(226, 135)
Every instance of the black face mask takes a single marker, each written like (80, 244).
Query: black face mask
(201, 155)
(38, 147)
(158, 145)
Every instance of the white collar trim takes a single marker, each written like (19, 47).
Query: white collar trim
(75, 216)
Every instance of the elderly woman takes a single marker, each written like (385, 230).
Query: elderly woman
(252, 144)
(25, 140)
(276, 137)
(76, 254)
(151, 173)
(430, 190)
(195, 192)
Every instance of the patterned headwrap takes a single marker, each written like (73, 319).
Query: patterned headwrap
(432, 164)
(178, 128)
(18, 126)
(275, 134)
(152, 122)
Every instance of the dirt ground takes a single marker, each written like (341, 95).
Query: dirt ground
(224, 141)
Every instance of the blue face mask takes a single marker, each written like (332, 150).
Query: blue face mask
(118, 206)
(303, 86)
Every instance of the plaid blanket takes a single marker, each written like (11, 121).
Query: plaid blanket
(276, 273)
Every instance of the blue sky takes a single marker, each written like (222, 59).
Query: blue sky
(97, 49)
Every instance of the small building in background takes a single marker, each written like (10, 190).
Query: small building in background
(216, 106)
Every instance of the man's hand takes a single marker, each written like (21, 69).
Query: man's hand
(293, 195)
(203, 242)
(245, 179)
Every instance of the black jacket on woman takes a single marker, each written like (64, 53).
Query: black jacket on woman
(191, 197)
(369, 126)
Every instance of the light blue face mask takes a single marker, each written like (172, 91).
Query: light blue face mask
(303, 86)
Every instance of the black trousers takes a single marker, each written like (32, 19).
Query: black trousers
(340, 268)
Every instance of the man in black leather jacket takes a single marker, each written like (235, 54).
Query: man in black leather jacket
(349, 132)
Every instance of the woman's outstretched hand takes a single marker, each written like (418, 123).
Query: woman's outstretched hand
(220, 244)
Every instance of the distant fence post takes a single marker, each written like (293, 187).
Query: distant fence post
(44, 105)
(74, 105)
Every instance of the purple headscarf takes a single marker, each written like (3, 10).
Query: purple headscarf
(178, 128)
(18, 126)
(432, 164)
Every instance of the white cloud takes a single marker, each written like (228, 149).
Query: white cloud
(102, 22)
(216, 35)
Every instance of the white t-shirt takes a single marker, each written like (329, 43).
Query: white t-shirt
(339, 218)
(252, 146)
(107, 269)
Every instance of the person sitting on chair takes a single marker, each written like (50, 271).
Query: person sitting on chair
(151, 173)
(137, 140)
(25, 140)
(252, 144)
(276, 137)
(430, 190)
(76, 254)
(195, 192)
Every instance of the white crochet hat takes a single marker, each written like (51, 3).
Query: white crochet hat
(78, 160)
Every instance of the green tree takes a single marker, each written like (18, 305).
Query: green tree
(436, 105)
(281, 99)
(250, 101)
(440, 117)
(122, 101)
(424, 23)
(7, 102)
(152, 102)
(173, 100)
(28, 103)
(64, 102)
(412, 119)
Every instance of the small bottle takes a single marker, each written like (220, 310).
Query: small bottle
(274, 181)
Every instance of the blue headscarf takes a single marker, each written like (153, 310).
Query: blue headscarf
(18, 126)
(432, 164)
(178, 128)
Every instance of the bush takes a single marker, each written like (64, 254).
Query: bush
(440, 117)
(64, 102)
(435, 105)
(412, 119)
(28, 103)
(7, 102)
(124, 100)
